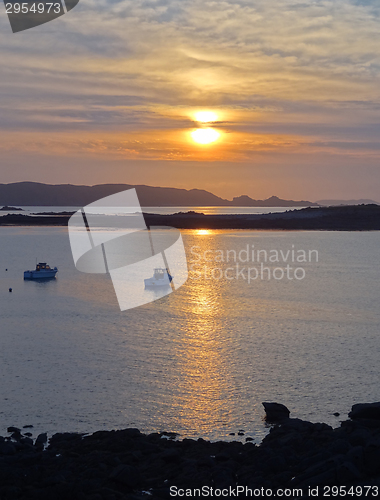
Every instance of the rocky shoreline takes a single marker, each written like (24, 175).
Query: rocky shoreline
(125, 464)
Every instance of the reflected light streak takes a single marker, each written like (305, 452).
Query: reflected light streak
(203, 388)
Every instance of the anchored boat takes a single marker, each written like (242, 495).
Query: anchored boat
(161, 277)
(42, 271)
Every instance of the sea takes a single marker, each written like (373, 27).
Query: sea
(286, 316)
(42, 210)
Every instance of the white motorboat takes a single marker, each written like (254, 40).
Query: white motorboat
(42, 271)
(161, 277)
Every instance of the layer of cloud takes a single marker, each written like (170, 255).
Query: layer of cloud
(121, 78)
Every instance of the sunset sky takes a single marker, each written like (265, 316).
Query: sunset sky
(110, 92)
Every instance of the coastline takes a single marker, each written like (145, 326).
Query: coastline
(125, 464)
(341, 218)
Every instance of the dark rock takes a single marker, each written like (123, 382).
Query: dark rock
(126, 475)
(359, 437)
(12, 492)
(276, 464)
(224, 456)
(170, 456)
(338, 446)
(16, 435)
(13, 429)
(120, 465)
(132, 432)
(65, 439)
(160, 493)
(26, 440)
(28, 426)
(223, 477)
(371, 456)
(275, 412)
(167, 434)
(336, 414)
(316, 458)
(203, 441)
(41, 439)
(7, 448)
(355, 455)
(365, 410)
(322, 473)
(347, 472)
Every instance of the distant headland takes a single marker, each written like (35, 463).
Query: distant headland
(10, 209)
(69, 195)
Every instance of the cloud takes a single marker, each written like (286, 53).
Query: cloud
(122, 78)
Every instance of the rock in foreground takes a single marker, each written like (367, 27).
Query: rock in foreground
(365, 410)
(126, 464)
(275, 412)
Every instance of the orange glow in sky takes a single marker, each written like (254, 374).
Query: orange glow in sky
(249, 101)
(206, 116)
(205, 135)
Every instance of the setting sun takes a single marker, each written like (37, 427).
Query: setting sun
(206, 116)
(205, 135)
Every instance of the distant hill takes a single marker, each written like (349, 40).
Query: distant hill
(68, 195)
(273, 201)
(333, 203)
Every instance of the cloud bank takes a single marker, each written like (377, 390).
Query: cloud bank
(292, 81)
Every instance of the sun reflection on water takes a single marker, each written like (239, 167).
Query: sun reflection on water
(203, 353)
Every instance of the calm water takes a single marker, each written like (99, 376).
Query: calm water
(199, 361)
(167, 210)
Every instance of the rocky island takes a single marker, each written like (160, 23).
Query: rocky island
(10, 209)
(340, 218)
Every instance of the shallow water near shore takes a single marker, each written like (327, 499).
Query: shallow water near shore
(201, 360)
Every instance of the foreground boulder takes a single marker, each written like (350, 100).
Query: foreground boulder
(365, 410)
(274, 412)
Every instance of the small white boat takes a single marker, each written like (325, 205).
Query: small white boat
(42, 271)
(161, 277)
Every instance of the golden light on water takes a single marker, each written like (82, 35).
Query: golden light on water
(204, 387)
(205, 135)
(203, 232)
